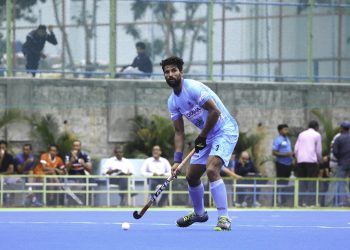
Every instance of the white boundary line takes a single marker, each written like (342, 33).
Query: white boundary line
(166, 224)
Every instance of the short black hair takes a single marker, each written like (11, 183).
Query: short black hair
(53, 146)
(140, 45)
(3, 142)
(118, 147)
(173, 60)
(28, 145)
(282, 126)
(42, 27)
(313, 124)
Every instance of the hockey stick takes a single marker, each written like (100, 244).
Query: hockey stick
(69, 191)
(65, 187)
(138, 215)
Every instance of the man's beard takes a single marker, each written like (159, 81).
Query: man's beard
(174, 83)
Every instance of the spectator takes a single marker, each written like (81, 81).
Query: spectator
(331, 197)
(50, 164)
(119, 166)
(341, 150)
(77, 161)
(25, 162)
(7, 164)
(308, 153)
(229, 171)
(34, 45)
(6, 168)
(141, 66)
(244, 167)
(156, 166)
(282, 149)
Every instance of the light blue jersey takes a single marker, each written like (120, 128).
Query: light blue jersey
(223, 138)
(189, 103)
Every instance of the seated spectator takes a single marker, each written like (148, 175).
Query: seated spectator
(25, 162)
(229, 171)
(119, 166)
(7, 164)
(157, 166)
(49, 164)
(77, 161)
(141, 66)
(244, 167)
(7, 167)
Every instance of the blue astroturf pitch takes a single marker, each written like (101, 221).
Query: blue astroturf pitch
(101, 229)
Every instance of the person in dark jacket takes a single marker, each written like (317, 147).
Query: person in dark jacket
(341, 150)
(34, 45)
(141, 65)
(244, 166)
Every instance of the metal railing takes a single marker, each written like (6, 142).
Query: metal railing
(104, 191)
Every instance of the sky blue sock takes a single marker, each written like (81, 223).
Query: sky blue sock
(197, 197)
(218, 191)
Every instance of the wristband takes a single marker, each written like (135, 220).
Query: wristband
(178, 157)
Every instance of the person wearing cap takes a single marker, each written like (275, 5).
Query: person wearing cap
(34, 45)
(341, 150)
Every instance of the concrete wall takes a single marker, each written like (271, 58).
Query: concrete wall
(98, 111)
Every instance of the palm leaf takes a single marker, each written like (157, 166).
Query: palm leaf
(10, 116)
(330, 132)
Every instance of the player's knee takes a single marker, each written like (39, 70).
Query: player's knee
(212, 173)
(193, 182)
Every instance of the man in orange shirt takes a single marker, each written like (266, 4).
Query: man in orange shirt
(50, 164)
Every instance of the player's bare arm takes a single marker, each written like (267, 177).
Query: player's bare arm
(179, 140)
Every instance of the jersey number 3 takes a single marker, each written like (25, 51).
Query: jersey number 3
(217, 147)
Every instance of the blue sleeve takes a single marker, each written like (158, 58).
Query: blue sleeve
(173, 110)
(86, 157)
(199, 93)
(51, 38)
(276, 144)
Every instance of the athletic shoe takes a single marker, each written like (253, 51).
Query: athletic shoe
(191, 218)
(224, 224)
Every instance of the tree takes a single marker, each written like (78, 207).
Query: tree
(66, 41)
(88, 21)
(149, 132)
(23, 9)
(329, 130)
(175, 36)
(46, 132)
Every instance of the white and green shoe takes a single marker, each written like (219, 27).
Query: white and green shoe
(224, 224)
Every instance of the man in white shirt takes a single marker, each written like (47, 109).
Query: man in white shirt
(157, 166)
(119, 166)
